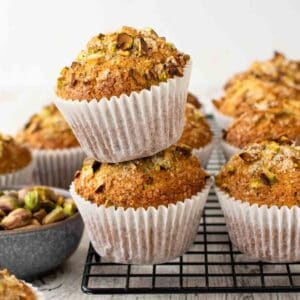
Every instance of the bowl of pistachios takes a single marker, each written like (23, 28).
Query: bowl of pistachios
(40, 228)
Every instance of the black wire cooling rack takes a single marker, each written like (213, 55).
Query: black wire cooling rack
(212, 265)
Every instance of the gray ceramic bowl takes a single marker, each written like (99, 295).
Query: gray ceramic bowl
(31, 252)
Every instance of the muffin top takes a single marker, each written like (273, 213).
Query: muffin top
(196, 131)
(13, 156)
(251, 92)
(265, 173)
(12, 288)
(193, 100)
(257, 126)
(47, 130)
(279, 70)
(119, 63)
(167, 177)
(270, 82)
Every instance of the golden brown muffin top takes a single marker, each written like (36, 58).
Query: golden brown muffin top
(193, 100)
(167, 177)
(257, 126)
(12, 288)
(276, 80)
(196, 131)
(119, 63)
(47, 130)
(266, 173)
(13, 156)
(278, 69)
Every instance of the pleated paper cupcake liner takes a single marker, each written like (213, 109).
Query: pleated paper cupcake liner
(22, 176)
(142, 236)
(222, 120)
(57, 167)
(267, 234)
(229, 150)
(203, 153)
(129, 127)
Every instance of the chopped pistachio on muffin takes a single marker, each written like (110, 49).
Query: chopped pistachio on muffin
(13, 156)
(264, 173)
(257, 126)
(269, 82)
(193, 100)
(279, 70)
(196, 133)
(167, 177)
(119, 63)
(48, 130)
(12, 288)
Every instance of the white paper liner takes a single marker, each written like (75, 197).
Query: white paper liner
(229, 150)
(203, 153)
(22, 176)
(38, 294)
(142, 236)
(268, 234)
(57, 167)
(222, 120)
(129, 127)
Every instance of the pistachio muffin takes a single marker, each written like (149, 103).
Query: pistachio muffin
(56, 151)
(268, 82)
(47, 130)
(119, 63)
(143, 211)
(197, 134)
(142, 183)
(13, 289)
(259, 191)
(257, 126)
(130, 70)
(15, 162)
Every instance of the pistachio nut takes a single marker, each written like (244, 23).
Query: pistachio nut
(57, 214)
(17, 218)
(40, 215)
(32, 201)
(69, 207)
(124, 41)
(8, 203)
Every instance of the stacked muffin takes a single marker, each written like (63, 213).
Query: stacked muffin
(124, 97)
(259, 187)
(54, 147)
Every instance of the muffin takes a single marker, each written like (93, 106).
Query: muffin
(12, 289)
(113, 92)
(259, 191)
(15, 162)
(55, 149)
(257, 126)
(197, 134)
(268, 82)
(143, 211)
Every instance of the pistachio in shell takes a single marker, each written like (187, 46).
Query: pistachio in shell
(40, 215)
(18, 218)
(8, 203)
(57, 214)
(124, 41)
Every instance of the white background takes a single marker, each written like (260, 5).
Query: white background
(37, 38)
